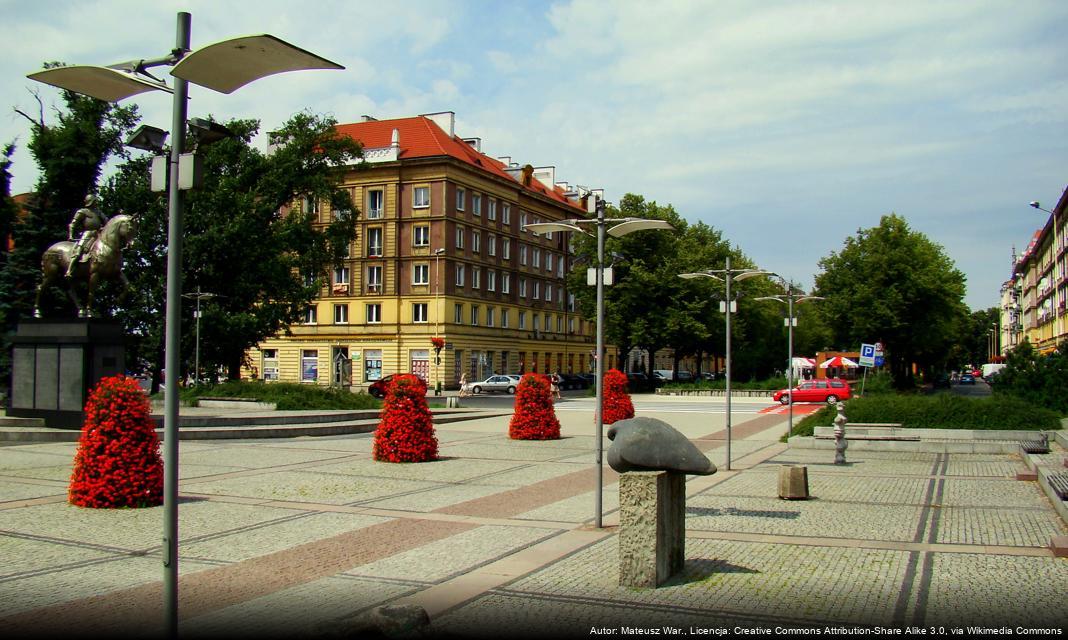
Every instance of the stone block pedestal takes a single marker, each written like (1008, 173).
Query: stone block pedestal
(652, 527)
(793, 482)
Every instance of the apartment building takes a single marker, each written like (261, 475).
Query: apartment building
(1033, 300)
(440, 253)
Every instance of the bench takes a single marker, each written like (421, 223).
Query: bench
(869, 431)
(1036, 446)
(1059, 483)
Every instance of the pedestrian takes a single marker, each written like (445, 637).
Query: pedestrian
(554, 385)
(463, 385)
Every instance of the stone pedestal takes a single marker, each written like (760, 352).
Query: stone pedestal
(652, 527)
(793, 482)
(56, 362)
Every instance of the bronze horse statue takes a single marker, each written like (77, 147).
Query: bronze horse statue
(104, 263)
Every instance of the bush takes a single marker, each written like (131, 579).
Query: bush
(406, 430)
(118, 462)
(1038, 379)
(617, 405)
(769, 384)
(534, 417)
(941, 411)
(287, 396)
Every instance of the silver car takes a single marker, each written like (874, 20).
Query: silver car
(495, 383)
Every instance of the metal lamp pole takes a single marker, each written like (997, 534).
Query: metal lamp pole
(728, 274)
(791, 321)
(619, 227)
(198, 296)
(224, 67)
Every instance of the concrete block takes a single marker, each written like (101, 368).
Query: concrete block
(652, 527)
(1027, 476)
(1059, 545)
(793, 482)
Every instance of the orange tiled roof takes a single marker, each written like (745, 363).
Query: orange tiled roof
(421, 137)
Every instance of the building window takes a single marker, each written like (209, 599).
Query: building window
(421, 274)
(571, 325)
(341, 314)
(421, 236)
(375, 201)
(506, 283)
(537, 323)
(489, 316)
(374, 279)
(421, 197)
(549, 261)
(419, 312)
(460, 237)
(309, 365)
(341, 280)
(535, 260)
(504, 318)
(491, 245)
(491, 213)
(374, 242)
(374, 313)
(476, 241)
(522, 287)
(474, 315)
(523, 255)
(506, 213)
(570, 302)
(537, 289)
(461, 196)
(491, 280)
(270, 364)
(476, 204)
(476, 276)
(311, 207)
(522, 221)
(522, 319)
(548, 292)
(506, 249)
(372, 365)
(458, 313)
(459, 275)
(311, 315)
(559, 324)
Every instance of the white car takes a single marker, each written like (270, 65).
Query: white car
(495, 383)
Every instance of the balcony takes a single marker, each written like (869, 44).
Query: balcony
(340, 289)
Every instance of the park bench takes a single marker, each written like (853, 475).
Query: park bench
(1041, 445)
(1059, 483)
(869, 431)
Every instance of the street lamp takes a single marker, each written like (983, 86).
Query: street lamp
(616, 227)
(224, 67)
(198, 295)
(789, 298)
(728, 275)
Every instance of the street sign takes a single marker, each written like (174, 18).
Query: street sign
(867, 355)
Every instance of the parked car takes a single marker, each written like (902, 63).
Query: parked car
(967, 378)
(683, 376)
(378, 387)
(830, 391)
(589, 378)
(571, 381)
(495, 383)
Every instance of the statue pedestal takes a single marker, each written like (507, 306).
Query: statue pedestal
(652, 527)
(56, 362)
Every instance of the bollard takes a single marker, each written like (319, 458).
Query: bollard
(793, 482)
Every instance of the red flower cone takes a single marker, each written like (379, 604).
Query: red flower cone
(118, 463)
(617, 405)
(534, 417)
(406, 430)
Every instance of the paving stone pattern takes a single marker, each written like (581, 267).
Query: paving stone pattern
(290, 538)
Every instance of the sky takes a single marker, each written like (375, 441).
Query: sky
(789, 126)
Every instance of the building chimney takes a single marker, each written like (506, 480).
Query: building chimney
(394, 140)
(366, 118)
(444, 119)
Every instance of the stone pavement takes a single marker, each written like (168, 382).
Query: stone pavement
(292, 537)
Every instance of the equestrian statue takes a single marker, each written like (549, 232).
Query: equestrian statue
(95, 257)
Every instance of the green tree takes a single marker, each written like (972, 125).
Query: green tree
(70, 155)
(972, 346)
(892, 284)
(1038, 379)
(263, 260)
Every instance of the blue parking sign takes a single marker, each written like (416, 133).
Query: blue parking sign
(867, 355)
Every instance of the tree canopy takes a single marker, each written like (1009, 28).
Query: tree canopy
(894, 285)
(262, 260)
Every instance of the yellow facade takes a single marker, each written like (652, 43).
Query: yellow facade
(479, 294)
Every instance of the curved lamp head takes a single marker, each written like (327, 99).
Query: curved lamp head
(630, 225)
(231, 64)
(752, 273)
(700, 274)
(102, 83)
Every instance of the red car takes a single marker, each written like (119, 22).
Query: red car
(830, 391)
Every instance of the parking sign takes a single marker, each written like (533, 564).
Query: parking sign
(867, 355)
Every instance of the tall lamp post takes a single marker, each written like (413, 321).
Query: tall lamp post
(197, 295)
(224, 67)
(789, 298)
(615, 227)
(728, 275)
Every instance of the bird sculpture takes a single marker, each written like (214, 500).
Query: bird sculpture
(648, 444)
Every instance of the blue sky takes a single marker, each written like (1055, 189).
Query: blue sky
(788, 125)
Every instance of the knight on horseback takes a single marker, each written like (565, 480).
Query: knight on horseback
(88, 221)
